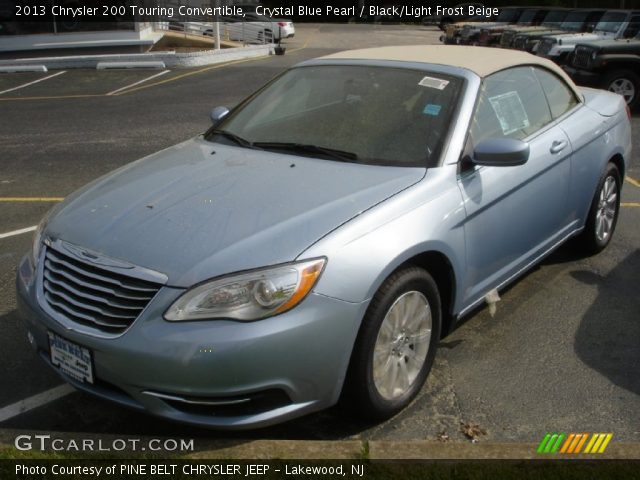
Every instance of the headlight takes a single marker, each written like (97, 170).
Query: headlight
(37, 240)
(249, 296)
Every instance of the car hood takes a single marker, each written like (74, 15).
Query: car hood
(615, 46)
(486, 24)
(527, 28)
(542, 33)
(573, 38)
(193, 214)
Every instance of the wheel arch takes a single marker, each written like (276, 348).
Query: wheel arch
(618, 161)
(440, 268)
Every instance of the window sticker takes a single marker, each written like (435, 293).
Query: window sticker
(510, 112)
(432, 109)
(437, 83)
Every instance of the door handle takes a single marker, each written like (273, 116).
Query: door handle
(558, 146)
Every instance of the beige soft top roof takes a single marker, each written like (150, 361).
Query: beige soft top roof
(481, 60)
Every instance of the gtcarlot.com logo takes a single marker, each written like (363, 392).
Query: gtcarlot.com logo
(49, 443)
(573, 443)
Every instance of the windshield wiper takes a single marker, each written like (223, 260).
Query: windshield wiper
(235, 138)
(332, 153)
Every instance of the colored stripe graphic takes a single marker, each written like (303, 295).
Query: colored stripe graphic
(581, 442)
(559, 440)
(543, 443)
(573, 443)
(590, 444)
(565, 447)
(606, 441)
(550, 443)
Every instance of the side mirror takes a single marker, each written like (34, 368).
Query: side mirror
(501, 152)
(218, 114)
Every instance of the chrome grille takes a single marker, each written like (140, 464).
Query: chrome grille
(93, 296)
(582, 57)
(546, 44)
(520, 43)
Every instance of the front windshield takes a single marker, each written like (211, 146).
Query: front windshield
(372, 115)
(554, 17)
(574, 21)
(527, 17)
(611, 22)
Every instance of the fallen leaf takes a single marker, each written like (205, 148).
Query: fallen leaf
(472, 430)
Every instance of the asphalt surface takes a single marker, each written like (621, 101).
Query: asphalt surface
(561, 354)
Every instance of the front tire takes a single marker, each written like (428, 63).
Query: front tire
(396, 344)
(625, 83)
(603, 214)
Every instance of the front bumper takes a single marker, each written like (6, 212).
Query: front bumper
(221, 374)
(582, 77)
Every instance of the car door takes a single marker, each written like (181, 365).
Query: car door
(513, 214)
(586, 130)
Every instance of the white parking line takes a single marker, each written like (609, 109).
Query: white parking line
(35, 401)
(18, 232)
(31, 83)
(139, 82)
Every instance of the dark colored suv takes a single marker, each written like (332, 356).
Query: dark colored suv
(610, 64)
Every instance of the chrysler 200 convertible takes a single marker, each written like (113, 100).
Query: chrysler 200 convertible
(315, 243)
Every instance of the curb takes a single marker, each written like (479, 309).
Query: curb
(170, 59)
(23, 68)
(354, 449)
(418, 450)
(109, 65)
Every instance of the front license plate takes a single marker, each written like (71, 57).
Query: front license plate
(72, 359)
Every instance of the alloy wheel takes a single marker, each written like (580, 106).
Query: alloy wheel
(607, 204)
(624, 87)
(402, 345)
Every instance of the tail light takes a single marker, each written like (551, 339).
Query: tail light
(282, 24)
(628, 112)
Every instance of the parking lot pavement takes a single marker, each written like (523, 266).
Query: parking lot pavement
(560, 354)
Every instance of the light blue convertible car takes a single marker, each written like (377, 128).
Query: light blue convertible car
(319, 239)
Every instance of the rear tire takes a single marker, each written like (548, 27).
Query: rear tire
(625, 83)
(396, 345)
(603, 214)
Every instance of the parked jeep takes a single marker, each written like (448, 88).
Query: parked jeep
(576, 21)
(467, 33)
(551, 21)
(529, 17)
(613, 24)
(610, 64)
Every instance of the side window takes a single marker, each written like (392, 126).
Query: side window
(561, 98)
(511, 104)
(633, 27)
